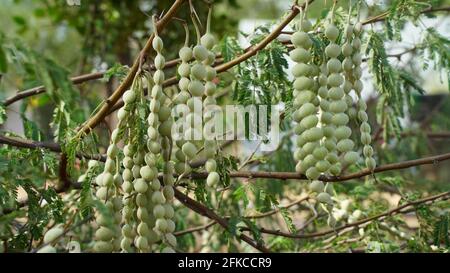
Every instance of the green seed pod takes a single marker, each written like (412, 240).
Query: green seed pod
(320, 153)
(104, 234)
(142, 243)
(338, 106)
(342, 132)
(169, 212)
(185, 54)
(340, 119)
(368, 151)
(325, 106)
(347, 65)
(336, 93)
(210, 73)
(370, 163)
(158, 77)
(301, 39)
(309, 121)
(161, 225)
(52, 234)
(159, 62)
(128, 97)
(208, 41)
(154, 147)
(357, 59)
(158, 211)
(301, 69)
(328, 131)
(141, 200)
(305, 25)
(147, 173)
(107, 179)
(103, 247)
(157, 44)
(322, 165)
(326, 117)
(347, 50)
(312, 173)
(357, 73)
(302, 83)
(189, 150)
(300, 55)
(332, 158)
(198, 71)
(46, 249)
(184, 70)
(332, 51)
(158, 198)
(335, 169)
(325, 198)
(316, 186)
(140, 186)
(309, 147)
(210, 89)
(365, 127)
(351, 157)
(335, 80)
(366, 138)
(210, 165)
(331, 32)
(345, 145)
(313, 134)
(213, 179)
(200, 53)
(196, 88)
(334, 65)
(356, 43)
(102, 193)
(306, 110)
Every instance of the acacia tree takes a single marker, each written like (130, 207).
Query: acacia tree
(133, 188)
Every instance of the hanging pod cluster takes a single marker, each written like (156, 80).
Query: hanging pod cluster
(323, 98)
(141, 205)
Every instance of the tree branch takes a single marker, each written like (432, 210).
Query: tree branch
(251, 174)
(203, 210)
(41, 89)
(397, 210)
(384, 15)
(51, 146)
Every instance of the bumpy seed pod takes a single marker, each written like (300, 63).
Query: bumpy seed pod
(208, 41)
(184, 70)
(108, 238)
(358, 86)
(308, 134)
(338, 106)
(343, 132)
(196, 89)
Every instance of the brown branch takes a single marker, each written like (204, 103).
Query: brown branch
(252, 174)
(63, 175)
(51, 146)
(257, 216)
(126, 83)
(365, 172)
(41, 89)
(397, 210)
(384, 15)
(203, 210)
